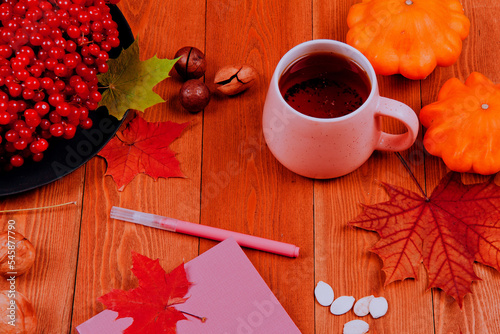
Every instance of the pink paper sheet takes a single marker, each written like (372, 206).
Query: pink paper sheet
(227, 290)
(104, 323)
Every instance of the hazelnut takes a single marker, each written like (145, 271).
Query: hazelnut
(192, 63)
(25, 317)
(234, 79)
(19, 250)
(194, 95)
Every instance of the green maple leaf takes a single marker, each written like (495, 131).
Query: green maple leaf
(129, 82)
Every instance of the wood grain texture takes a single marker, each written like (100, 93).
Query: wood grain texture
(232, 181)
(479, 314)
(49, 284)
(342, 256)
(243, 187)
(105, 244)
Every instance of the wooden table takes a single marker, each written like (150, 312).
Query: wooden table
(83, 254)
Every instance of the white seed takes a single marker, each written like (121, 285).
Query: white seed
(342, 305)
(361, 308)
(323, 293)
(356, 327)
(378, 307)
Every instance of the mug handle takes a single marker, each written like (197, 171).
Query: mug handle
(406, 115)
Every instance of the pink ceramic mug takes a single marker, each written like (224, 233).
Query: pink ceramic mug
(326, 148)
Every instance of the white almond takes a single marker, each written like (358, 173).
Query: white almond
(361, 308)
(378, 307)
(356, 327)
(323, 293)
(342, 305)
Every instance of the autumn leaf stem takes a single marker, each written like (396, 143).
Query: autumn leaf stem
(202, 319)
(40, 208)
(405, 164)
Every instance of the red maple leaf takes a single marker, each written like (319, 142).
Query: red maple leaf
(457, 225)
(151, 304)
(142, 147)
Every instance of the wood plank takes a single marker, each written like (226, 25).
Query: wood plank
(243, 187)
(105, 244)
(341, 253)
(54, 234)
(479, 314)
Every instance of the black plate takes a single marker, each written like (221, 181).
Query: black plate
(65, 156)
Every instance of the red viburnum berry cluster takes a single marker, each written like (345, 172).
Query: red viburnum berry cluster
(50, 54)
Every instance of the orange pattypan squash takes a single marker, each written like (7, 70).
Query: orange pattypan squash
(464, 125)
(410, 37)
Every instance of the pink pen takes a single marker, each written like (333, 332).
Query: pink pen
(208, 232)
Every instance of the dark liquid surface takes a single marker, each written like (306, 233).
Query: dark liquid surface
(325, 85)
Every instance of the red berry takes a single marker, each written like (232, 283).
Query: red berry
(46, 83)
(15, 89)
(69, 131)
(86, 124)
(56, 99)
(37, 157)
(54, 117)
(63, 109)
(42, 108)
(4, 118)
(51, 52)
(25, 133)
(20, 144)
(57, 130)
(16, 160)
(33, 122)
(41, 145)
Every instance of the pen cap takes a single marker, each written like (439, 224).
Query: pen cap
(143, 218)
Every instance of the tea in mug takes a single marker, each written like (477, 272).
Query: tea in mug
(325, 85)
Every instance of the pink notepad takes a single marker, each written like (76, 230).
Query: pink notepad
(227, 290)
